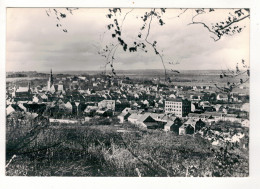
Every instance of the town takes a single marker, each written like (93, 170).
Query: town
(127, 92)
(146, 103)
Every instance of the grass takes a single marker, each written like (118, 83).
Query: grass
(102, 151)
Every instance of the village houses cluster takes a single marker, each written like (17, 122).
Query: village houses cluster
(145, 103)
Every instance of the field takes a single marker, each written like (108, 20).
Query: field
(184, 78)
(125, 151)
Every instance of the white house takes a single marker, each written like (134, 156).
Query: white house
(245, 123)
(222, 97)
(68, 106)
(107, 104)
(9, 110)
(134, 117)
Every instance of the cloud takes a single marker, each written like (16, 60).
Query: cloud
(35, 43)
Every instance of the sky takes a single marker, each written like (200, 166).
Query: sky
(34, 43)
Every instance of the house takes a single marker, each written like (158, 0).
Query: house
(199, 125)
(183, 130)
(222, 97)
(100, 112)
(147, 121)
(168, 126)
(107, 104)
(145, 102)
(172, 96)
(134, 117)
(217, 107)
(32, 116)
(123, 116)
(9, 101)
(37, 99)
(82, 78)
(215, 115)
(68, 106)
(195, 98)
(159, 117)
(60, 88)
(193, 107)
(191, 126)
(231, 117)
(87, 119)
(188, 127)
(245, 123)
(245, 107)
(22, 94)
(126, 110)
(173, 125)
(44, 97)
(12, 108)
(21, 105)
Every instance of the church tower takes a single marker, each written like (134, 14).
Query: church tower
(50, 81)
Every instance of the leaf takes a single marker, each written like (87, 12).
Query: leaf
(163, 10)
(125, 47)
(161, 22)
(109, 15)
(62, 15)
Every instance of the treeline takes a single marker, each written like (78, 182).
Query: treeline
(16, 75)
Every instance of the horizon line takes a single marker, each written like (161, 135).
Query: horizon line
(53, 70)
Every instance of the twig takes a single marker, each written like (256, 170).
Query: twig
(148, 33)
(14, 156)
(217, 31)
(178, 14)
(124, 19)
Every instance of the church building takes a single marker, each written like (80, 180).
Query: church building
(51, 87)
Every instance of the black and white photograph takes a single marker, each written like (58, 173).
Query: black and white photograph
(127, 92)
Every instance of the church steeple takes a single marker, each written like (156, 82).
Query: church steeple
(51, 78)
(50, 82)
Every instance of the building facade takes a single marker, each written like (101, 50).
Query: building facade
(178, 107)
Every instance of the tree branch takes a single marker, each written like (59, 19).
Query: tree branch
(153, 46)
(217, 32)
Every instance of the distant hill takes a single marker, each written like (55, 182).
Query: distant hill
(25, 74)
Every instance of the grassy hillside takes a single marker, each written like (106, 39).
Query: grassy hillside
(103, 151)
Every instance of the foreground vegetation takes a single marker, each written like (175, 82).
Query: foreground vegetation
(114, 151)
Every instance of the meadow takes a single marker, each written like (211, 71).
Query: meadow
(125, 151)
